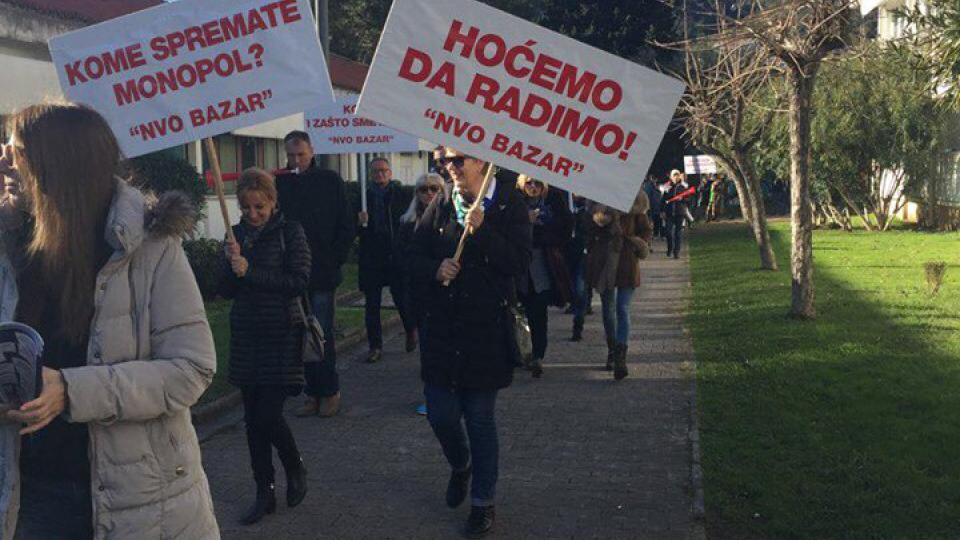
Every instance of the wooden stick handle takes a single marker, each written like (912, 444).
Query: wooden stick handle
(218, 185)
(467, 231)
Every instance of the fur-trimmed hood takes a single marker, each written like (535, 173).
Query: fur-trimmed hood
(134, 216)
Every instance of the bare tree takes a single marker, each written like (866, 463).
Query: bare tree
(724, 80)
(798, 34)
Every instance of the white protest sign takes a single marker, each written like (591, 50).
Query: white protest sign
(699, 165)
(336, 129)
(193, 69)
(508, 91)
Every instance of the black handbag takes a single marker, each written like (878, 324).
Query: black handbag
(314, 341)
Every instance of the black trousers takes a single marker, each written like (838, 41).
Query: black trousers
(535, 304)
(267, 429)
(372, 305)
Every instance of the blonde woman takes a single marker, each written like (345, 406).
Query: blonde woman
(266, 273)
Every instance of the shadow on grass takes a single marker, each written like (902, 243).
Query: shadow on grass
(842, 427)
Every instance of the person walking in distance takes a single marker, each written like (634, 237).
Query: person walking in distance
(266, 273)
(380, 263)
(430, 188)
(547, 282)
(107, 450)
(316, 199)
(466, 353)
(674, 210)
(616, 242)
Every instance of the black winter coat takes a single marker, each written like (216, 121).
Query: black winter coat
(317, 200)
(464, 332)
(379, 252)
(265, 324)
(676, 209)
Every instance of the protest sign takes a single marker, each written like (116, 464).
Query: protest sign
(193, 69)
(335, 128)
(699, 165)
(508, 91)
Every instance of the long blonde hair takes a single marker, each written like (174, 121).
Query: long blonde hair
(67, 157)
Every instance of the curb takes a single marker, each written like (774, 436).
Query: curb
(208, 414)
(698, 506)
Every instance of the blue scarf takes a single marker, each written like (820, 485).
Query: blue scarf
(462, 207)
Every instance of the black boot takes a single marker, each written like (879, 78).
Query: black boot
(457, 487)
(266, 503)
(480, 522)
(620, 363)
(296, 484)
(611, 354)
(577, 332)
(536, 368)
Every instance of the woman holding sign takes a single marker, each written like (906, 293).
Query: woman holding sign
(107, 449)
(266, 272)
(466, 350)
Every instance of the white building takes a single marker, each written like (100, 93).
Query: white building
(890, 26)
(27, 25)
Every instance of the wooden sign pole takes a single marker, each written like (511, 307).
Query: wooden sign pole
(468, 230)
(218, 185)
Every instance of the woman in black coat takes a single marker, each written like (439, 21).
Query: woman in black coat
(548, 281)
(266, 273)
(465, 348)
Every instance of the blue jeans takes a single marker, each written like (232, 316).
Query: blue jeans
(583, 296)
(616, 313)
(322, 378)
(54, 510)
(445, 409)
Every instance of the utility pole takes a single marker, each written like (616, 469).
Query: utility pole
(322, 19)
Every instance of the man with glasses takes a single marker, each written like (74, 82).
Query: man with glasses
(317, 199)
(466, 352)
(380, 262)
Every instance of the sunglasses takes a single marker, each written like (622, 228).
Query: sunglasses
(455, 161)
(428, 189)
(534, 183)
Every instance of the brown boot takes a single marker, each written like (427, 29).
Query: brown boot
(411, 344)
(329, 406)
(620, 363)
(310, 406)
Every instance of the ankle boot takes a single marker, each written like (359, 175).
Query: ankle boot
(296, 484)
(611, 354)
(536, 368)
(620, 362)
(480, 522)
(266, 503)
(577, 332)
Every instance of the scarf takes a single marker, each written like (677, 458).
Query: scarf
(462, 206)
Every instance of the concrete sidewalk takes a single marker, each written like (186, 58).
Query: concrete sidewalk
(582, 456)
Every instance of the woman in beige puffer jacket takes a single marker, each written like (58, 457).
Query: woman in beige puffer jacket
(119, 291)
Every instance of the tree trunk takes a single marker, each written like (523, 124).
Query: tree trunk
(801, 216)
(758, 214)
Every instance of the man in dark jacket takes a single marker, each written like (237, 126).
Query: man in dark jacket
(466, 352)
(675, 213)
(316, 198)
(380, 264)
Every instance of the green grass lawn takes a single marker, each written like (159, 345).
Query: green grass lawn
(843, 427)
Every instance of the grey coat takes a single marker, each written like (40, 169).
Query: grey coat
(149, 358)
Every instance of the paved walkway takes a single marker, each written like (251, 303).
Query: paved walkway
(582, 456)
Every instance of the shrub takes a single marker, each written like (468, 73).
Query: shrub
(205, 256)
(935, 272)
(160, 172)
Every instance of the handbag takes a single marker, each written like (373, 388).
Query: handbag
(519, 340)
(314, 340)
